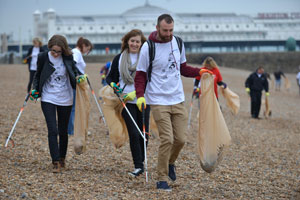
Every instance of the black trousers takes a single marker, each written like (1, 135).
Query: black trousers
(31, 75)
(255, 102)
(135, 139)
(57, 128)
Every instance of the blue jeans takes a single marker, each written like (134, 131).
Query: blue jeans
(58, 149)
(72, 116)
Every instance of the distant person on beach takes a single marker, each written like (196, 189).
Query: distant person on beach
(211, 65)
(298, 79)
(83, 47)
(103, 73)
(277, 75)
(54, 82)
(31, 59)
(255, 83)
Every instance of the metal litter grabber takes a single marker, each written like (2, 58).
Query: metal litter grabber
(125, 107)
(14, 126)
(190, 112)
(99, 108)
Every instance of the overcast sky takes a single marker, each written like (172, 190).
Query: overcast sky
(16, 15)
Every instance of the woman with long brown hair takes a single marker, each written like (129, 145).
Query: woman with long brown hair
(54, 82)
(83, 47)
(123, 72)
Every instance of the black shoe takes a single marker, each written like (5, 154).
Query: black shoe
(163, 185)
(172, 173)
(136, 172)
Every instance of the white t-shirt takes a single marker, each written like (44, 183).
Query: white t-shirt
(34, 56)
(298, 77)
(77, 56)
(128, 88)
(57, 88)
(165, 87)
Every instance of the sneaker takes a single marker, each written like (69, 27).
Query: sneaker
(136, 172)
(172, 173)
(56, 167)
(163, 185)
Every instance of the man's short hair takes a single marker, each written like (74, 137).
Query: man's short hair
(168, 18)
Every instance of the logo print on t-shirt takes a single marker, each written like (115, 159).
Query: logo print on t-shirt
(171, 62)
(58, 78)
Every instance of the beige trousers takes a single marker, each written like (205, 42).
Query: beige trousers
(171, 122)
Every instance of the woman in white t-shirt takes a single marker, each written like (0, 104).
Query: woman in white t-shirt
(31, 59)
(123, 72)
(83, 47)
(54, 82)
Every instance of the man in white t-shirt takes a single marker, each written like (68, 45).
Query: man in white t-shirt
(298, 79)
(164, 93)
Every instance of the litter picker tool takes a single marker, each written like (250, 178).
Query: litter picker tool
(125, 107)
(190, 112)
(99, 108)
(145, 147)
(14, 126)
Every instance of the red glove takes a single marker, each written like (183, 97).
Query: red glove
(205, 71)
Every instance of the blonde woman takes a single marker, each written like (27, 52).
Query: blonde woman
(210, 64)
(31, 59)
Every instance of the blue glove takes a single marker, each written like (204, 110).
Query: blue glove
(224, 85)
(116, 88)
(34, 95)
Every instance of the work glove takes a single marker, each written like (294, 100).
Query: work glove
(116, 88)
(139, 102)
(81, 78)
(196, 90)
(34, 94)
(248, 90)
(267, 94)
(205, 71)
(130, 96)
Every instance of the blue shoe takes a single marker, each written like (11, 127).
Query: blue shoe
(163, 185)
(172, 173)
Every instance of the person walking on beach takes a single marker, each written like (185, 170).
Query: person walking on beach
(277, 75)
(53, 82)
(103, 73)
(158, 84)
(123, 71)
(298, 79)
(31, 59)
(210, 64)
(255, 83)
(83, 47)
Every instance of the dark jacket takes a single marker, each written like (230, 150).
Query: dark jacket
(114, 74)
(28, 55)
(257, 83)
(45, 69)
